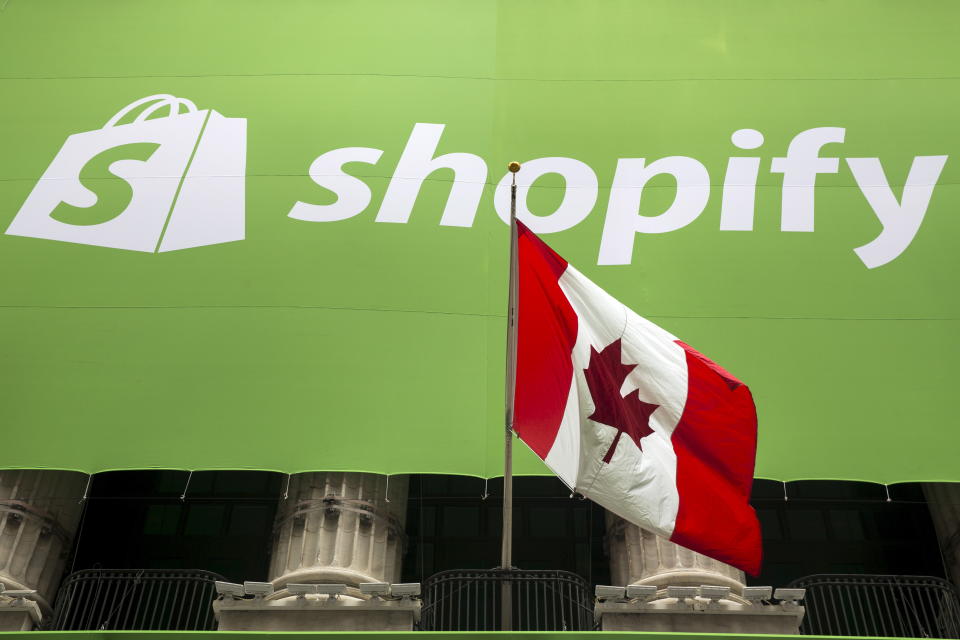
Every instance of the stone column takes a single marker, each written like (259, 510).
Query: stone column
(340, 528)
(640, 557)
(39, 514)
(943, 499)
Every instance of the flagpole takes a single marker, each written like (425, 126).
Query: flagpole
(506, 548)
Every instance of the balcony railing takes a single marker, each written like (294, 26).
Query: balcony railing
(877, 605)
(542, 601)
(136, 600)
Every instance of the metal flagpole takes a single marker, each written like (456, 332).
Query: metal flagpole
(506, 548)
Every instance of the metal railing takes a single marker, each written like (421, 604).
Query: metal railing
(470, 601)
(136, 599)
(877, 605)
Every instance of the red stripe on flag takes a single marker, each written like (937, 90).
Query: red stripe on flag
(715, 442)
(546, 334)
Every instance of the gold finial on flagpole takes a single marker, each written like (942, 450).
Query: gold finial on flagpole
(514, 167)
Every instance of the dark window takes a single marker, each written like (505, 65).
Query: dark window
(451, 526)
(137, 520)
(843, 527)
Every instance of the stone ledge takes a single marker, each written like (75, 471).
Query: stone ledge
(699, 616)
(20, 617)
(316, 614)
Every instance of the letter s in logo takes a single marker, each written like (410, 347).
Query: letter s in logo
(112, 192)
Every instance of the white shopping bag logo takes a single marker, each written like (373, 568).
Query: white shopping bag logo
(181, 182)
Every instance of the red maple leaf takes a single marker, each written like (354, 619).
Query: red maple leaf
(627, 414)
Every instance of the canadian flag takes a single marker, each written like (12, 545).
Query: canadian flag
(629, 416)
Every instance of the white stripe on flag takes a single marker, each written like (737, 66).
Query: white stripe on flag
(564, 456)
(639, 485)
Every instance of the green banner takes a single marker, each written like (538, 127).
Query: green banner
(247, 235)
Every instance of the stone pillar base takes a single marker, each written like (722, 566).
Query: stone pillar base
(340, 528)
(39, 514)
(699, 616)
(638, 556)
(20, 617)
(316, 614)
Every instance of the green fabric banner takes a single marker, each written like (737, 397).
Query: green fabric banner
(290, 257)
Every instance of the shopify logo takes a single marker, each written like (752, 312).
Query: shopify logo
(170, 178)
(626, 217)
(162, 175)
